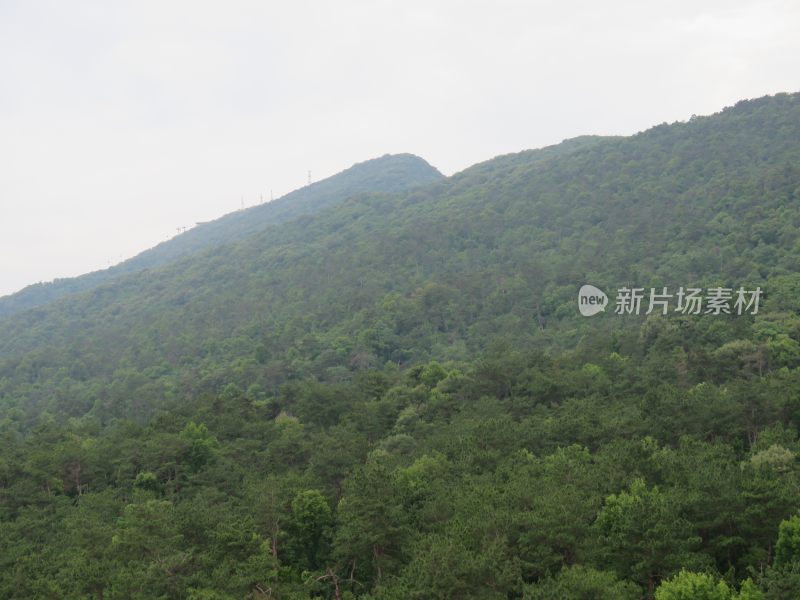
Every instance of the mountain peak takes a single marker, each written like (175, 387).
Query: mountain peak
(390, 173)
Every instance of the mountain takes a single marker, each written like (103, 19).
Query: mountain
(394, 395)
(389, 174)
(494, 252)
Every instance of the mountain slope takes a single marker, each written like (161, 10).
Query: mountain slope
(341, 405)
(493, 253)
(389, 173)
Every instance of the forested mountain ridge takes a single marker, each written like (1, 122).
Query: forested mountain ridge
(396, 397)
(388, 174)
(496, 251)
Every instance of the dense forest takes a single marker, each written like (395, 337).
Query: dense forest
(389, 393)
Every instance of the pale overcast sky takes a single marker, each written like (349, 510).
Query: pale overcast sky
(123, 120)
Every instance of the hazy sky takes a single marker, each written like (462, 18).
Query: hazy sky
(123, 120)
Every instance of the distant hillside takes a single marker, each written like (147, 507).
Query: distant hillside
(389, 173)
(395, 397)
(496, 252)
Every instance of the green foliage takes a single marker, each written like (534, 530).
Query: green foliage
(309, 527)
(644, 535)
(787, 548)
(201, 445)
(693, 586)
(582, 583)
(391, 395)
(688, 585)
(146, 481)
